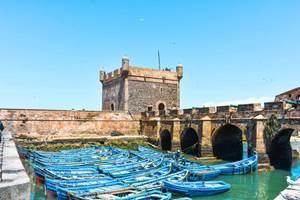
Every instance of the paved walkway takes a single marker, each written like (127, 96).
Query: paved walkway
(15, 184)
(292, 192)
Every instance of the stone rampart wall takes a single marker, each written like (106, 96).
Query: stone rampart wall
(68, 123)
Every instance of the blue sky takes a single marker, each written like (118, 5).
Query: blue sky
(232, 51)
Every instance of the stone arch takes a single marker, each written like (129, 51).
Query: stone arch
(160, 103)
(161, 107)
(166, 140)
(1, 129)
(280, 154)
(189, 142)
(227, 143)
(1, 126)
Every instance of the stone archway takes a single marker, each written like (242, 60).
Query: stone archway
(161, 107)
(280, 154)
(166, 140)
(227, 143)
(189, 142)
(1, 126)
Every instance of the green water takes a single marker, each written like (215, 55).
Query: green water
(258, 185)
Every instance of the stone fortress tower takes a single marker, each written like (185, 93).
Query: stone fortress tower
(138, 89)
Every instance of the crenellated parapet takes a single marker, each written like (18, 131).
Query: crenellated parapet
(143, 74)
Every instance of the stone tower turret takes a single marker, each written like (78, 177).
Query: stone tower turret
(101, 75)
(179, 71)
(137, 89)
(125, 63)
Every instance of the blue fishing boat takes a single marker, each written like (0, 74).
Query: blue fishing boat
(52, 184)
(240, 167)
(41, 172)
(111, 168)
(147, 176)
(125, 194)
(199, 188)
(63, 193)
(203, 174)
(136, 169)
(100, 172)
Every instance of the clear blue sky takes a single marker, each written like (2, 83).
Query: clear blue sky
(232, 51)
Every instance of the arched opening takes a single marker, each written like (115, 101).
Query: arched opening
(280, 154)
(161, 107)
(1, 129)
(189, 142)
(112, 107)
(298, 98)
(1, 126)
(166, 140)
(227, 143)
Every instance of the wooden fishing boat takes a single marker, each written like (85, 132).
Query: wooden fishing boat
(125, 194)
(112, 168)
(80, 160)
(63, 193)
(136, 169)
(142, 185)
(41, 172)
(150, 175)
(203, 174)
(199, 188)
(240, 167)
(183, 163)
(107, 172)
(52, 184)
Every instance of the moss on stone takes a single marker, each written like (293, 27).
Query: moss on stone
(124, 144)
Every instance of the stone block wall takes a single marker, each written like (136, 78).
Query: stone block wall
(226, 109)
(144, 94)
(68, 123)
(293, 94)
(274, 106)
(249, 107)
(113, 93)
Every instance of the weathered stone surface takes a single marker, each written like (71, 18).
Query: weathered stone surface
(293, 94)
(226, 109)
(113, 94)
(274, 106)
(144, 94)
(15, 184)
(249, 107)
(64, 123)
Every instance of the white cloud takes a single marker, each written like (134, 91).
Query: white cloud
(141, 19)
(241, 101)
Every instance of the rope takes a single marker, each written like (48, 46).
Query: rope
(190, 147)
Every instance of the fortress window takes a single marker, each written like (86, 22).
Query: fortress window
(290, 95)
(112, 107)
(150, 108)
(298, 98)
(161, 106)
